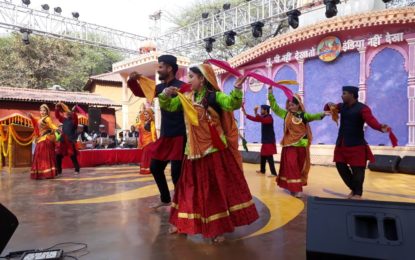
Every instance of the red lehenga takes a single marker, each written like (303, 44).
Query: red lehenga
(43, 165)
(212, 196)
(147, 136)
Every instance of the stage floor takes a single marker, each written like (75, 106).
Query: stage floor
(107, 208)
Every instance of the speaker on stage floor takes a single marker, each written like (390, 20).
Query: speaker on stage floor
(385, 163)
(407, 165)
(251, 157)
(8, 224)
(94, 118)
(360, 229)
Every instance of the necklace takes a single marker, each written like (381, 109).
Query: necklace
(296, 119)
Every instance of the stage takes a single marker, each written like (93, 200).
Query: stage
(99, 157)
(107, 208)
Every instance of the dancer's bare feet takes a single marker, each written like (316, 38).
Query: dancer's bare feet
(259, 172)
(350, 195)
(218, 239)
(159, 204)
(173, 230)
(356, 197)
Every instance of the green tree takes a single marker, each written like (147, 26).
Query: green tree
(49, 61)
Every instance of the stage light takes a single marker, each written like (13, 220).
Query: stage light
(26, 2)
(331, 8)
(386, 1)
(226, 6)
(45, 7)
(230, 38)
(57, 10)
(25, 36)
(293, 20)
(75, 15)
(209, 44)
(205, 15)
(257, 29)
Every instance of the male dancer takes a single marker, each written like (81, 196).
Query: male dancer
(352, 151)
(268, 148)
(69, 136)
(170, 146)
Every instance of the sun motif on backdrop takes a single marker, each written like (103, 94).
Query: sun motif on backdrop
(282, 207)
(329, 48)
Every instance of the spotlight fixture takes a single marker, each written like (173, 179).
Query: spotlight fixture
(26, 2)
(293, 20)
(209, 44)
(25, 36)
(331, 8)
(226, 6)
(257, 29)
(205, 15)
(75, 15)
(229, 38)
(45, 7)
(57, 10)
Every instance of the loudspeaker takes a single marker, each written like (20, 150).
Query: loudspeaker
(94, 118)
(8, 224)
(359, 229)
(407, 165)
(251, 157)
(385, 163)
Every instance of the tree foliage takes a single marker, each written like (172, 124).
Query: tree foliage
(48, 61)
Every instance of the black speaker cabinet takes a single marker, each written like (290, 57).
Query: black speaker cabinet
(364, 229)
(407, 165)
(385, 163)
(94, 118)
(251, 157)
(8, 224)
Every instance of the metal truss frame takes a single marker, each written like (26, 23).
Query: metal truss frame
(18, 17)
(238, 19)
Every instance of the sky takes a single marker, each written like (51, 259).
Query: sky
(126, 15)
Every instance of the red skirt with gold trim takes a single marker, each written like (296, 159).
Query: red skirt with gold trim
(43, 166)
(212, 196)
(291, 166)
(145, 159)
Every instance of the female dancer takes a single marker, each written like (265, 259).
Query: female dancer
(212, 196)
(147, 136)
(43, 166)
(295, 155)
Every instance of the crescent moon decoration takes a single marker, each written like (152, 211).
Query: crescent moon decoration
(282, 207)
